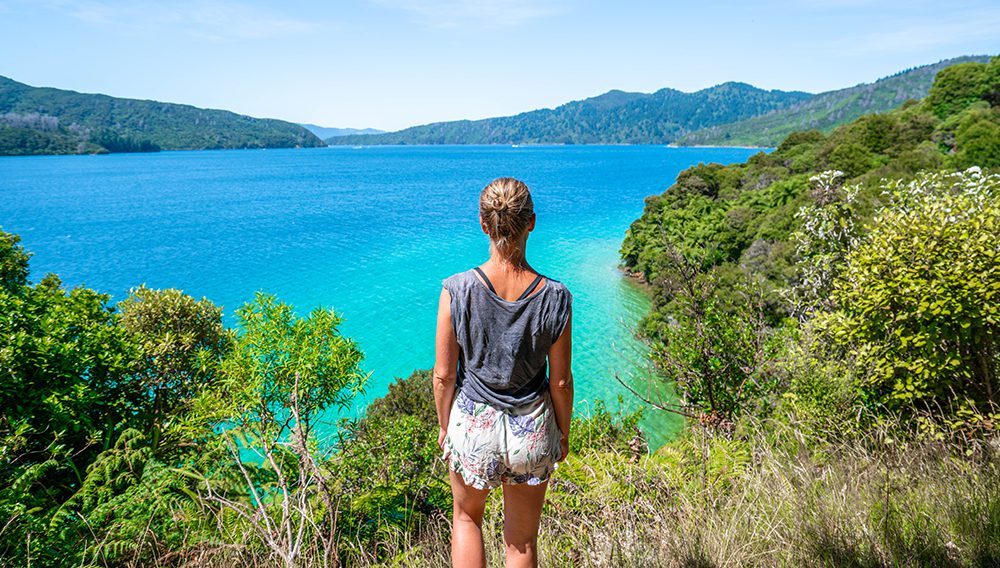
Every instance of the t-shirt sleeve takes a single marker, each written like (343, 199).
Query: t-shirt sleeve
(453, 286)
(560, 312)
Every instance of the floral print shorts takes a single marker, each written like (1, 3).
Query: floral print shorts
(489, 446)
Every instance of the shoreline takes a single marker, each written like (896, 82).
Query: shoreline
(548, 144)
(672, 145)
(634, 276)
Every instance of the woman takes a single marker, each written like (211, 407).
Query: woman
(504, 421)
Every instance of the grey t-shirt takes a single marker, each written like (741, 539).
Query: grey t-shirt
(504, 345)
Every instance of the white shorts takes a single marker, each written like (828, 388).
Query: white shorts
(489, 446)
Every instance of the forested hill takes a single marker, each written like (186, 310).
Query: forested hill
(826, 111)
(37, 120)
(741, 218)
(615, 117)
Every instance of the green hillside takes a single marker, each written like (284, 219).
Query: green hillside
(825, 111)
(739, 212)
(37, 120)
(615, 117)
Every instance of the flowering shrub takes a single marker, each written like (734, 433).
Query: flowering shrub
(918, 298)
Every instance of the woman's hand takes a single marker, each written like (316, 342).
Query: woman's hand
(442, 434)
(561, 383)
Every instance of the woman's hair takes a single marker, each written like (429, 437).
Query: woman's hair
(506, 209)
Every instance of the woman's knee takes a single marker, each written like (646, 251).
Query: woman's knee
(467, 514)
(469, 503)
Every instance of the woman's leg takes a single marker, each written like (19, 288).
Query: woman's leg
(522, 511)
(467, 524)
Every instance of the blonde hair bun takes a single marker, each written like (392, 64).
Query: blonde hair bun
(506, 209)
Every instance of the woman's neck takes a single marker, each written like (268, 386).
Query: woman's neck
(514, 262)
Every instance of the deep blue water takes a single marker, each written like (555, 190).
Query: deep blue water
(368, 231)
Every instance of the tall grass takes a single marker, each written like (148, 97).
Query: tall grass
(764, 500)
(770, 493)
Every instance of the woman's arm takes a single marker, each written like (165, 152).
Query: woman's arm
(561, 381)
(445, 364)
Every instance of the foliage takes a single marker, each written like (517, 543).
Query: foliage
(977, 138)
(715, 355)
(52, 121)
(180, 341)
(13, 263)
(600, 430)
(917, 297)
(62, 364)
(828, 231)
(280, 375)
(63, 397)
(743, 216)
(958, 86)
(278, 359)
(866, 271)
(28, 142)
(389, 467)
(118, 143)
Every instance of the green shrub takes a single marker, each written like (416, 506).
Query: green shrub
(919, 297)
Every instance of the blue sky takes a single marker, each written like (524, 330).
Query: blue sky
(395, 63)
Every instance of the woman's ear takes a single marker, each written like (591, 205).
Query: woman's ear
(531, 224)
(483, 225)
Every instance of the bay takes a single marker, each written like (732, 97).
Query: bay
(368, 231)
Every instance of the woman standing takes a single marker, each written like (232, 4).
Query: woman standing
(502, 381)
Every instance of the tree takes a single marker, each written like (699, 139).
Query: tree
(714, 354)
(64, 398)
(958, 86)
(828, 231)
(977, 139)
(281, 374)
(180, 341)
(13, 263)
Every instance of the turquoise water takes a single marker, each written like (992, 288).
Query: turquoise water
(368, 231)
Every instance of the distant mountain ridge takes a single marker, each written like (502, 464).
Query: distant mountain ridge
(324, 132)
(730, 114)
(42, 120)
(616, 117)
(827, 110)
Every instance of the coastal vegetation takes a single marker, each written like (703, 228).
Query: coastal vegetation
(53, 121)
(827, 314)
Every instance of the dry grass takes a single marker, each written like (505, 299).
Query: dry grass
(873, 501)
